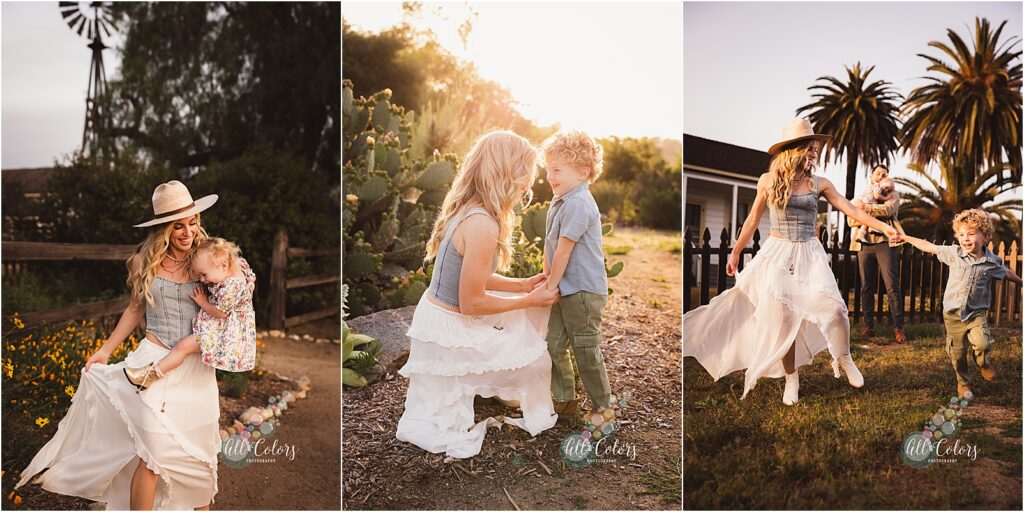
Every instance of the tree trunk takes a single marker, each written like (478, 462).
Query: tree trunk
(851, 182)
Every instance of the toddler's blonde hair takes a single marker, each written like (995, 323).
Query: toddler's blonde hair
(576, 148)
(219, 249)
(974, 218)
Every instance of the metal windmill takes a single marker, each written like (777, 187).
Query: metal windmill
(89, 19)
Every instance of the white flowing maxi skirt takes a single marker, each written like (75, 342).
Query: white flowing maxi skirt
(109, 427)
(454, 357)
(786, 295)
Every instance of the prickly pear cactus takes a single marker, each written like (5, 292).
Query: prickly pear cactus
(390, 201)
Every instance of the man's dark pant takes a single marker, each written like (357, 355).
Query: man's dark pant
(871, 257)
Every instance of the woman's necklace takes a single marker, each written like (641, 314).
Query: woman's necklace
(176, 260)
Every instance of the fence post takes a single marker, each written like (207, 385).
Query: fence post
(705, 267)
(723, 258)
(1000, 286)
(278, 274)
(1011, 297)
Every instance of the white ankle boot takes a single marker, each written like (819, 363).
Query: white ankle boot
(852, 373)
(792, 393)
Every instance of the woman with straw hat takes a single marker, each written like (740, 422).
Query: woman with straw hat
(115, 445)
(786, 306)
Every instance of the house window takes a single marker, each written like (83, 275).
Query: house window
(692, 219)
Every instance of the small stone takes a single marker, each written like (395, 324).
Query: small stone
(288, 397)
(274, 333)
(267, 413)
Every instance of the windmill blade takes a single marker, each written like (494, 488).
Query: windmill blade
(73, 18)
(81, 28)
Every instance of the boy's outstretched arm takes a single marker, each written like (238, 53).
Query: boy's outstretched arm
(1012, 277)
(559, 261)
(923, 245)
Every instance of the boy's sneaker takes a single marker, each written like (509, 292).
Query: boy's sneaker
(567, 410)
(866, 332)
(988, 372)
(900, 335)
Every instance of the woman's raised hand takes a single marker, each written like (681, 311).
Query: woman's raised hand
(542, 296)
(733, 264)
(101, 356)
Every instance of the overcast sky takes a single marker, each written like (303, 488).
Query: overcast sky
(45, 71)
(748, 64)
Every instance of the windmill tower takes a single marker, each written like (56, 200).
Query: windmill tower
(88, 19)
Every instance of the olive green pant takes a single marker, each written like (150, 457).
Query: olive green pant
(576, 321)
(958, 335)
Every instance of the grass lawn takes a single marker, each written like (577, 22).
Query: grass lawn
(838, 447)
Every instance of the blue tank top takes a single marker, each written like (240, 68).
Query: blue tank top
(444, 280)
(799, 219)
(171, 318)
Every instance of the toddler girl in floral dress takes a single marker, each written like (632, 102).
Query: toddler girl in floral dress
(224, 330)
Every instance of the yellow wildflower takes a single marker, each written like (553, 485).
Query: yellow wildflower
(70, 391)
(42, 422)
(17, 321)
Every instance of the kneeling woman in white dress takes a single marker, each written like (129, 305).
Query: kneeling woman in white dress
(786, 306)
(475, 332)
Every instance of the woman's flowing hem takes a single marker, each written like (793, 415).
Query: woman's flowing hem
(61, 464)
(786, 296)
(503, 355)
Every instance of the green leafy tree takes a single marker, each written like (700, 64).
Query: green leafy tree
(201, 82)
(861, 117)
(971, 111)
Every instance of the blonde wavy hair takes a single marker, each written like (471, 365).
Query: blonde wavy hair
(220, 249)
(974, 218)
(786, 164)
(149, 253)
(499, 165)
(576, 148)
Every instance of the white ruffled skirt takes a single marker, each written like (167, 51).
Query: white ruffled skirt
(109, 428)
(786, 295)
(454, 357)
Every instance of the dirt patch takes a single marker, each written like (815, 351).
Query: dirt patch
(310, 481)
(642, 352)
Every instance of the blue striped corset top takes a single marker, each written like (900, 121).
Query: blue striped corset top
(170, 317)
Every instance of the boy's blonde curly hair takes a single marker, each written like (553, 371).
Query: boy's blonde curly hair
(577, 148)
(974, 218)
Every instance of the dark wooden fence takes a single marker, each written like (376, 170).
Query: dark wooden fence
(279, 284)
(14, 253)
(922, 277)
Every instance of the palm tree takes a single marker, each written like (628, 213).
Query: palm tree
(973, 110)
(929, 209)
(861, 117)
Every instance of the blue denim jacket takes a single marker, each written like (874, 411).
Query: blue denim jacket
(968, 288)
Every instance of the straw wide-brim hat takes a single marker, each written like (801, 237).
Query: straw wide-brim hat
(797, 130)
(172, 201)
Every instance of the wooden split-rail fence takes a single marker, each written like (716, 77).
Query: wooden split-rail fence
(14, 253)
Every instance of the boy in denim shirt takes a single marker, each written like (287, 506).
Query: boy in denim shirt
(574, 262)
(967, 297)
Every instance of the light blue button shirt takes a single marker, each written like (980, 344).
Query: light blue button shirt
(968, 287)
(575, 216)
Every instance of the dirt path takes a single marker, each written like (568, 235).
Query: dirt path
(310, 481)
(642, 352)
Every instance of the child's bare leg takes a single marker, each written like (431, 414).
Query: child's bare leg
(187, 345)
